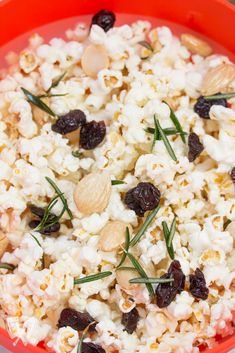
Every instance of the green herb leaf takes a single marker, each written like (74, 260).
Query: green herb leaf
(56, 81)
(142, 273)
(166, 142)
(156, 134)
(220, 95)
(61, 196)
(117, 182)
(37, 102)
(176, 122)
(39, 244)
(7, 266)
(52, 95)
(125, 268)
(144, 226)
(83, 336)
(76, 154)
(172, 232)
(92, 278)
(166, 233)
(126, 249)
(168, 131)
(151, 280)
(226, 224)
(146, 45)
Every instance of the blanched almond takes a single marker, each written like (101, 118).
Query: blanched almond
(3, 243)
(112, 235)
(195, 44)
(94, 59)
(218, 79)
(92, 193)
(124, 276)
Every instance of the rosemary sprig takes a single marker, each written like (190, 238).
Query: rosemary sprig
(151, 280)
(39, 244)
(156, 133)
(126, 249)
(226, 224)
(166, 233)
(141, 272)
(172, 232)
(56, 81)
(48, 219)
(52, 95)
(176, 122)
(76, 154)
(125, 268)
(144, 226)
(220, 95)
(166, 141)
(7, 266)
(117, 182)
(92, 278)
(83, 336)
(146, 45)
(37, 102)
(61, 196)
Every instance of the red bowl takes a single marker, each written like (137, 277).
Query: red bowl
(212, 18)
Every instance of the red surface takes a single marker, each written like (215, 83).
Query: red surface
(213, 18)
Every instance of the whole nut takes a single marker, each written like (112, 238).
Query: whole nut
(196, 45)
(217, 79)
(112, 235)
(3, 243)
(92, 193)
(94, 59)
(123, 277)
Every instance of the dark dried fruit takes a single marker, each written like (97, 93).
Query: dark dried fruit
(198, 286)
(130, 320)
(104, 19)
(92, 134)
(203, 106)
(195, 147)
(75, 319)
(37, 211)
(89, 347)
(232, 173)
(69, 122)
(166, 292)
(47, 230)
(144, 197)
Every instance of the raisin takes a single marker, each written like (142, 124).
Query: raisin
(104, 19)
(69, 122)
(47, 229)
(144, 197)
(198, 286)
(92, 134)
(166, 292)
(75, 319)
(195, 147)
(130, 320)
(232, 174)
(203, 106)
(37, 211)
(89, 347)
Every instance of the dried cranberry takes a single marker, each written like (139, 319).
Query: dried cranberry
(69, 122)
(232, 173)
(47, 229)
(144, 197)
(166, 292)
(130, 320)
(92, 134)
(104, 19)
(75, 319)
(203, 106)
(195, 147)
(198, 286)
(89, 347)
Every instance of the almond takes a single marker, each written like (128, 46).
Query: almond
(195, 44)
(94, 59)
(217, 79)
(112, 235)
(3, 243)
(124, 276)
(92, 193)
